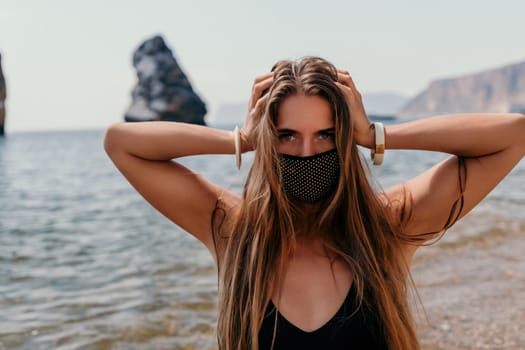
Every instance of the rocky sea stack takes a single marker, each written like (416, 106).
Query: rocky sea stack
(163, 91)
(2, 98)
(492, 91)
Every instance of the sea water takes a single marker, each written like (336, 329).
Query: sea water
(86, 263)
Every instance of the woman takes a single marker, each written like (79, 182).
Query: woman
(310, 257)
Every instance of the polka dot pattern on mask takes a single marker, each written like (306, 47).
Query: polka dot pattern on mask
(310, 179)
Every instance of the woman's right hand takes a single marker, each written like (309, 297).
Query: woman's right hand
(255, 108)
(363, 131)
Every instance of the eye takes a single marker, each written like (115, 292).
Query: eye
(327, 135)
(286, 136)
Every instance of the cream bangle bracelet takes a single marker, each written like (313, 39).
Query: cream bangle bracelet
(237, 144)
(378, 151)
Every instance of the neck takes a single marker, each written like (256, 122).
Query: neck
(306, 220)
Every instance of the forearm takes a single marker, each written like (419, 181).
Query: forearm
(166, 140)
(470, 135)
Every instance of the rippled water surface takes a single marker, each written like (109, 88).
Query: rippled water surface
(86, 263)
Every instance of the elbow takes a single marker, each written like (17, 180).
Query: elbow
(112, 135)
(520, 121)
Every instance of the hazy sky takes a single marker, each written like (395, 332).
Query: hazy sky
(68, 63)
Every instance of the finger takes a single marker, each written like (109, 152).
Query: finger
(351, 98)
(345, 88)
(260, 104)
(349, 82)
(258, 90)
(263, 85)
(344, 77)
(342, 74)
(262, 77)
(355, 92)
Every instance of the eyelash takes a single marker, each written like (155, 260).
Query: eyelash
(327, 136)
(323, 136)
(284, 137)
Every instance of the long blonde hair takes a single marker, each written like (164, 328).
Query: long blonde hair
(353, 224)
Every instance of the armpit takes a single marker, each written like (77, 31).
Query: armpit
(222, 221)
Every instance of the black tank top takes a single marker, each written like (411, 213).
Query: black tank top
(347, 329)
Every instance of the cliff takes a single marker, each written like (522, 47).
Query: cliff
(2, 98)
(495, 90)
(163, 92)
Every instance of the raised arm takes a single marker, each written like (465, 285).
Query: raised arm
(143, 153)
(491, 145)
(467, 135)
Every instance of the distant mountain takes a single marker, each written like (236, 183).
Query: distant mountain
(495, 90)
(376, 104)
(383, 103)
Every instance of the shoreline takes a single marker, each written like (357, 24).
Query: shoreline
(472, 297)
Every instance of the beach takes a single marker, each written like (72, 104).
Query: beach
(473, 289)
(86, 263)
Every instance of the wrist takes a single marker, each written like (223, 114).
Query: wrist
(366, 138)
(246, 142)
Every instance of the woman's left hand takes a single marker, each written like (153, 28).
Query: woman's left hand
(363, 131)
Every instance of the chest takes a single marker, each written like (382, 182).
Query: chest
(316, 307)
(311, 290)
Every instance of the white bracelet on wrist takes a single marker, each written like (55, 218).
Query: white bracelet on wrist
(377, 152)
(237, 145)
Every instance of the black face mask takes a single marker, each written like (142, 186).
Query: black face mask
(310, 179)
